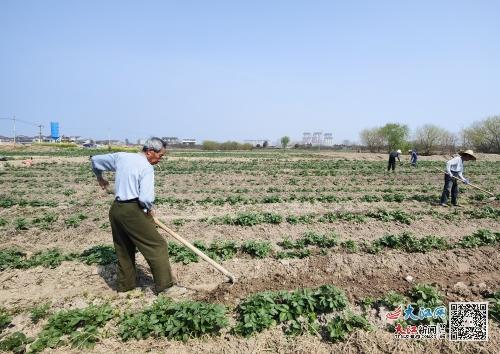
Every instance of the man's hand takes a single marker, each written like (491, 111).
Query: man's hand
(151, 213)
(103, 183)
(465, 180)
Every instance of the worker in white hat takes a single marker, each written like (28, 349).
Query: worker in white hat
(454, 172)
(392, 160)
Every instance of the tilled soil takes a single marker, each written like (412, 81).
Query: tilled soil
(460, 274)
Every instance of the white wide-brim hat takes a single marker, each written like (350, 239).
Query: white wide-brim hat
(469, 153)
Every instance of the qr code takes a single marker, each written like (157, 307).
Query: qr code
(468, 321)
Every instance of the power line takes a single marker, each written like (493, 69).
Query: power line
(14, 120)
(20, 120)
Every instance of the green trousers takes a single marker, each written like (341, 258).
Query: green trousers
(132, 229)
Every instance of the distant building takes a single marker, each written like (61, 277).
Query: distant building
(171, 140)
(190, 142)
(328, 139)
(306, 139)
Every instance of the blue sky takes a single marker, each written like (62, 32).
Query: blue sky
(246, 69)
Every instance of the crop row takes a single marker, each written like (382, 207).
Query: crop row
(256, 218)
(11, 258)
(46, 221)
(325, 198)
(7, 202)
(323, 311)
(310, 243)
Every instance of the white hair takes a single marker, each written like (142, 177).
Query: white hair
(155, 144)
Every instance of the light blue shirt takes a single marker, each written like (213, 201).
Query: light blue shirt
(134, 176)
(455, 165)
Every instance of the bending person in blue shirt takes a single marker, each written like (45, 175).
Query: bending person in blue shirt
(413, 157)
(131, 214)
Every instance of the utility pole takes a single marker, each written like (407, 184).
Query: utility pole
(40, 133)
(14, 120)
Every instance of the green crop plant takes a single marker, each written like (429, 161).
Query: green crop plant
(79, 325)
(218, 249)
(341, 326)
(350, 245)
(409, 243)
(425, 296)
(311, 239)
(264, 310)
(367, 302)
(222, 250)
(21, 224)
(49, 258)
(494, 306)
(345, 216)
(180, 253)
(37, 203)
(178, 222)
(300, 219)
(10, 258)
(39, 312)
(45, 221)
(15, 342)
(322, 241)
(257, 249)
(100, 254)
(17, 259)
(392, 300)
(479, 238)
(395, 215)
(272, 218)
(246, 219)
(370, 198)
(396, 197)
(75, 220)
(483, 213)
(5, 319)
(6, 202)
(371, 247)
(271, 199)
(68, 192)
(3, 222)
(173, 320)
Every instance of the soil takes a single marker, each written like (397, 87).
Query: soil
(460, 274)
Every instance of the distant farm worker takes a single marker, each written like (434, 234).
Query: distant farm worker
(454, 172)
(413, 157)
(131, 214)
(392, 160)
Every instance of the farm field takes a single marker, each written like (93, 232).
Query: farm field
(323, 244)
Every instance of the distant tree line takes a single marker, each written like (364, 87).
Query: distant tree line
(483, 136)
(226, 146)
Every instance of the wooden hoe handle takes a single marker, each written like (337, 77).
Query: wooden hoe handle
(468, 184)
(214, 264)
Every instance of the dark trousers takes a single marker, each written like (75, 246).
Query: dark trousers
(132, 229)
(392, 164)
(450, 186)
